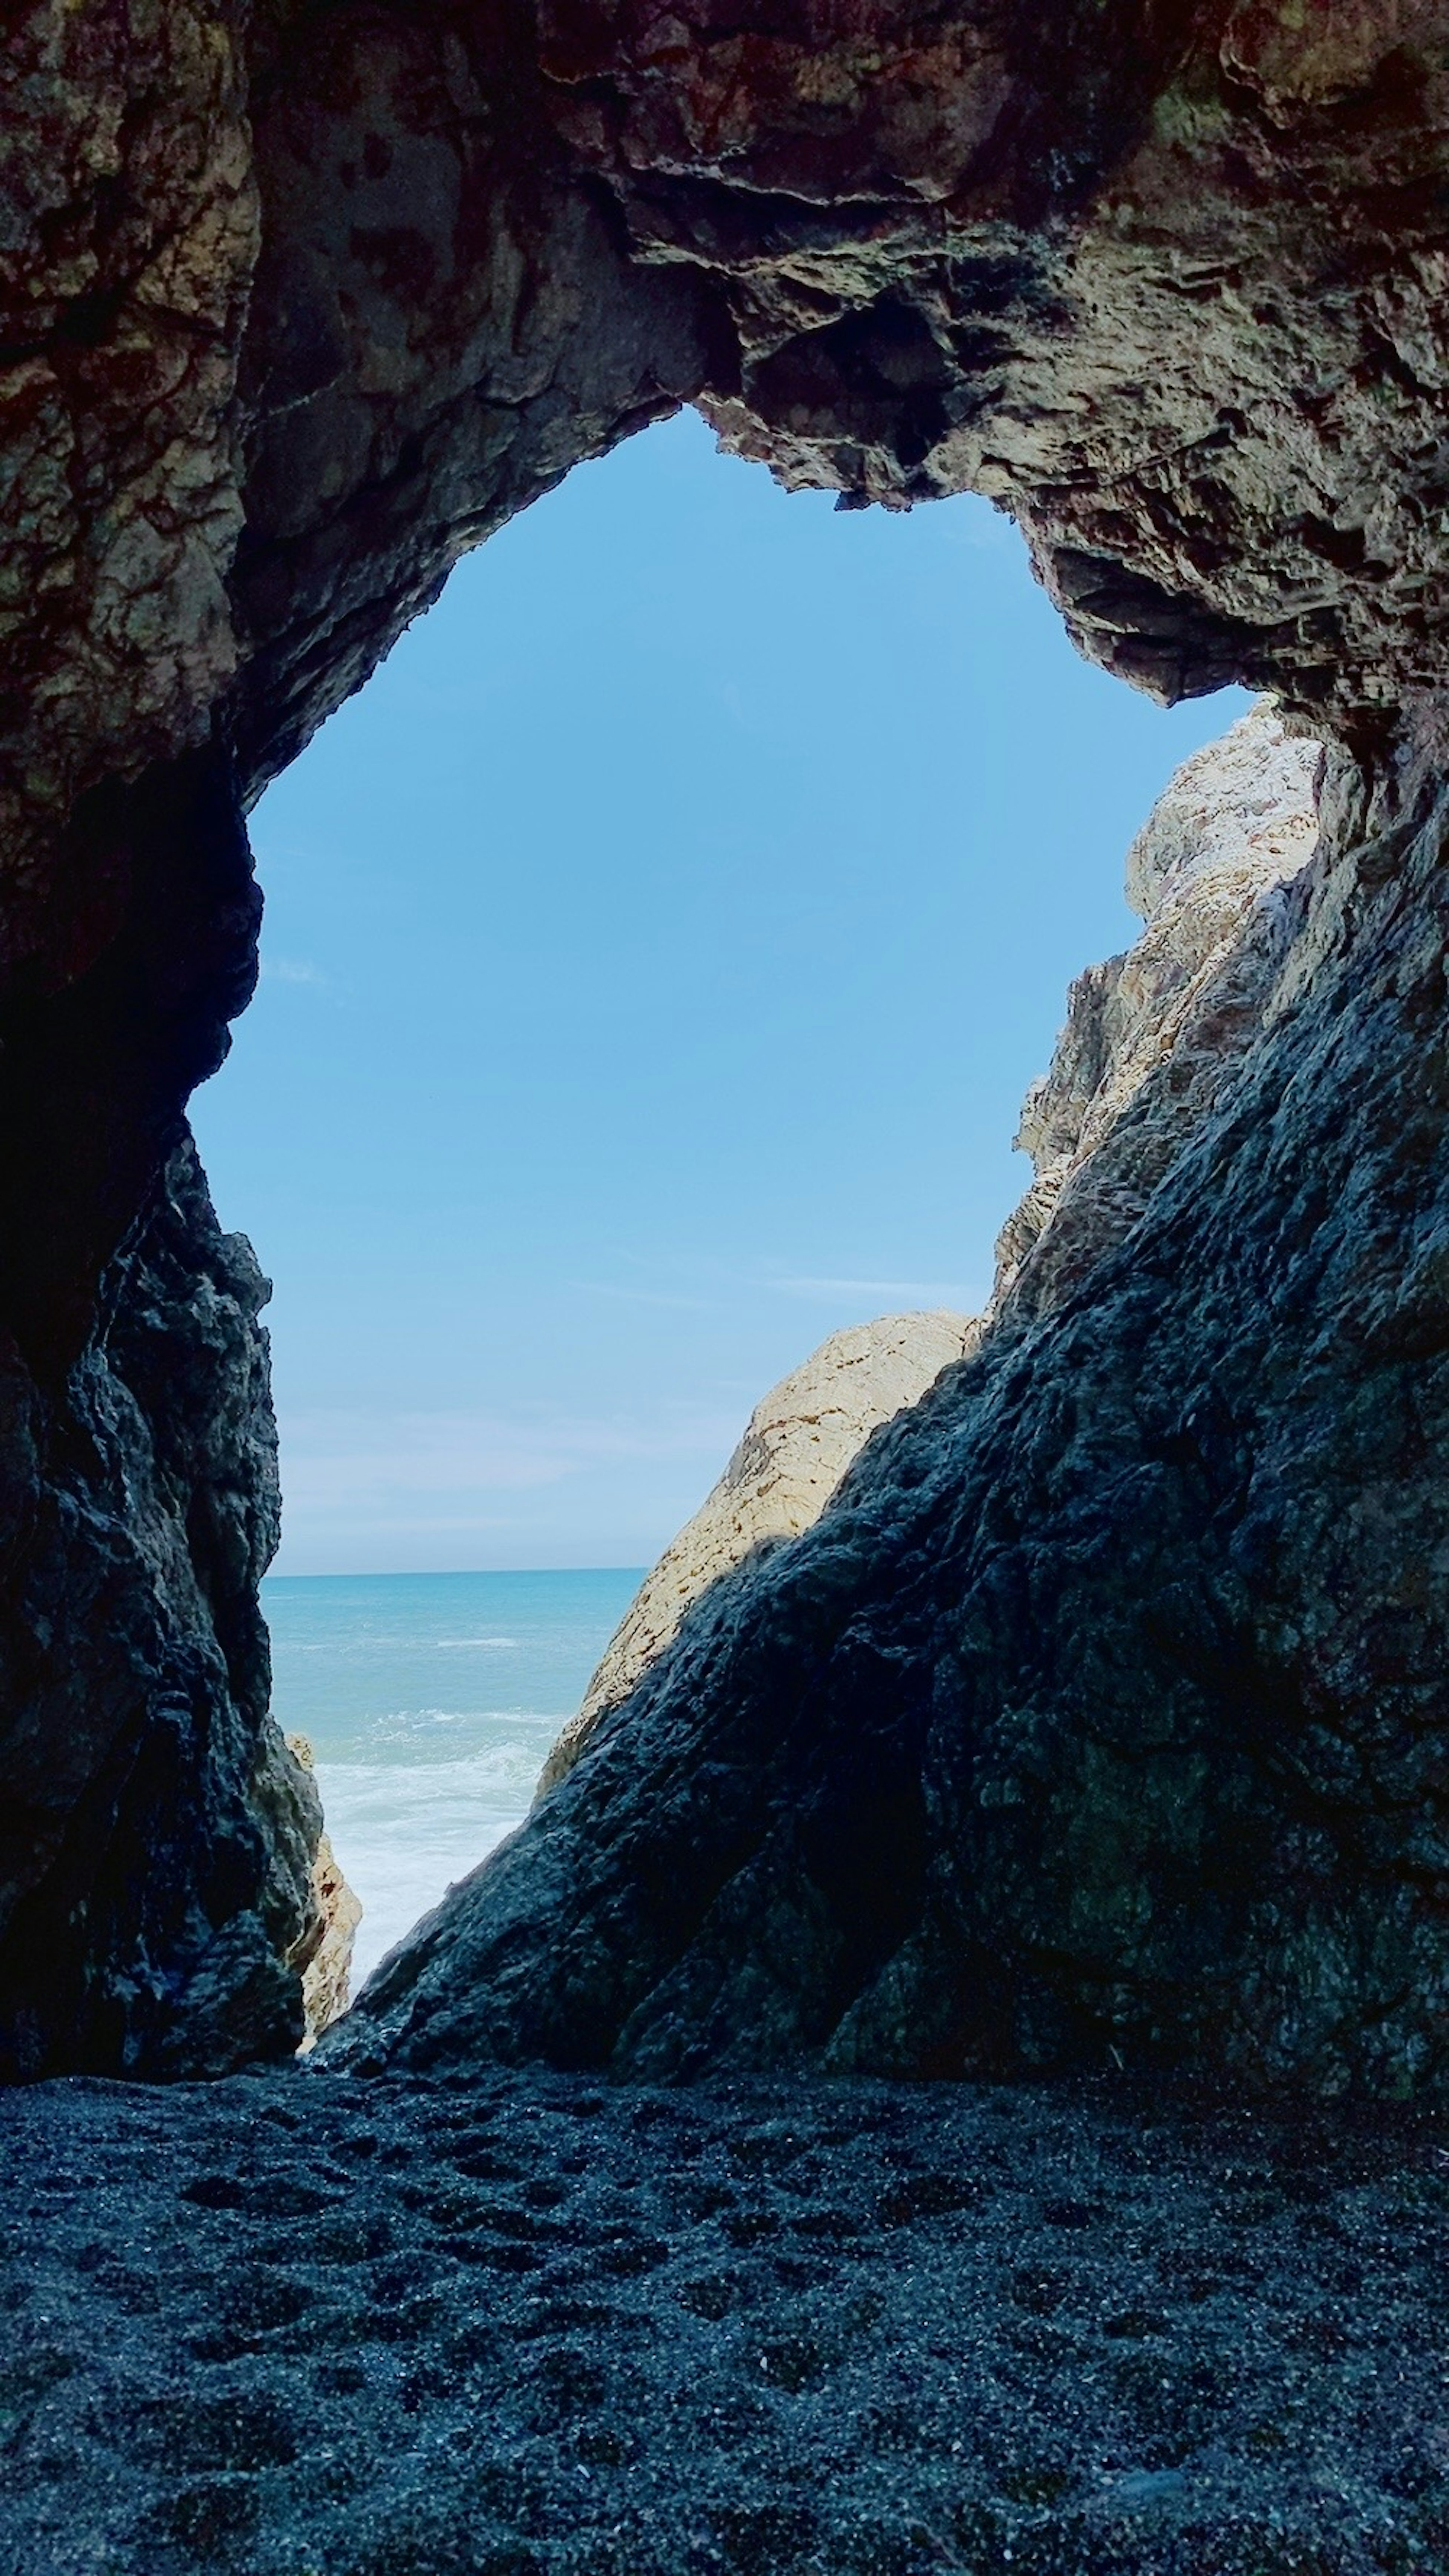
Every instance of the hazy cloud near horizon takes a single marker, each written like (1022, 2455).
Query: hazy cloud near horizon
(382, 1492)
(905, 1293)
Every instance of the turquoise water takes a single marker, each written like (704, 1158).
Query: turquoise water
(430, 1701)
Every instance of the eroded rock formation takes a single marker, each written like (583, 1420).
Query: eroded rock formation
(157, 1836)
(300, 303)
(327, 1977)
(795, 1448)
(1101, 1715)
(1155, 1030)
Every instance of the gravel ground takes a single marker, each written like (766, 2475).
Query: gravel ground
(302, 2322)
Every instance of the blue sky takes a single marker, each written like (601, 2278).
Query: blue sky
(656, 953)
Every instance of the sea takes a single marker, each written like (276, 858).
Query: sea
(430, 1701)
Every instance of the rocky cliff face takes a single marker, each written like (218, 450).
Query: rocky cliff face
(1100, 1718)
(156, 1905)
(1151, 1035)
(796, 1446)
(297, 304)
(1156, 1031)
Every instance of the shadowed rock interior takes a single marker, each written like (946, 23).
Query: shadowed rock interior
(1104, 1709)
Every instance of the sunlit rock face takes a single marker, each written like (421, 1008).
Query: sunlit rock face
(327, 1977)
(796, 1447)
(1152, 1035)
(299, 304)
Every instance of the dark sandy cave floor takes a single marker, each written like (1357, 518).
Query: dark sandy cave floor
(304, 2322)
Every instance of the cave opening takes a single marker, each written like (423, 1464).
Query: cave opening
(1078, 1775)
(657, 953)
(371, 286)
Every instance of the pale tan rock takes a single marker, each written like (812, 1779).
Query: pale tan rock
(797, 1445)
(1157, 1030)
(326, 1978)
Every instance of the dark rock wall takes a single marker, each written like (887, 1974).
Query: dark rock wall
(443, 322)
(1102, 1717)
(298, 304)
(295, 312)
(156, 1847)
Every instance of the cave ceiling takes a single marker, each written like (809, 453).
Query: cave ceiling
(301, 305)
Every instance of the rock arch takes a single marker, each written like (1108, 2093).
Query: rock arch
(298, 305)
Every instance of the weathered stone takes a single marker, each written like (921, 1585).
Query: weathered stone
(797, 1445)
(157, 1841)
(297, 305)
(1100, 1719)
(327, 1977)
(128, 235)
(1156, 1030)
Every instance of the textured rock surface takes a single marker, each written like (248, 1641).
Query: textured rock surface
(327, 1977)
(1157, 1029)
(1164, 279)
(522, 2327)
(796, 1446)
(129, 198)
(297, 307)
(298, 303)
(156, 1837)
(1101, 1717)
(1165, 1019)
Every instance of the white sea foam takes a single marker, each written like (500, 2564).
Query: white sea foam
(404, 1832)
(426, 1761)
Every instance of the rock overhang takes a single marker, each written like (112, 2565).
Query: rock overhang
(1165, 280)
(299, 307)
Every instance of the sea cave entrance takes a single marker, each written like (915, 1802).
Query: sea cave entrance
(656, 955)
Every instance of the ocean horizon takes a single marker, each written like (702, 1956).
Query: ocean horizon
(430, 1701)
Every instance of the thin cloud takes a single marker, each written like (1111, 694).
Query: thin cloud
(385, 1488)
(897, 1293)
(914, 1292)
(342, 1461)
(293, 970)
(969, 520)
(645, 1296)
